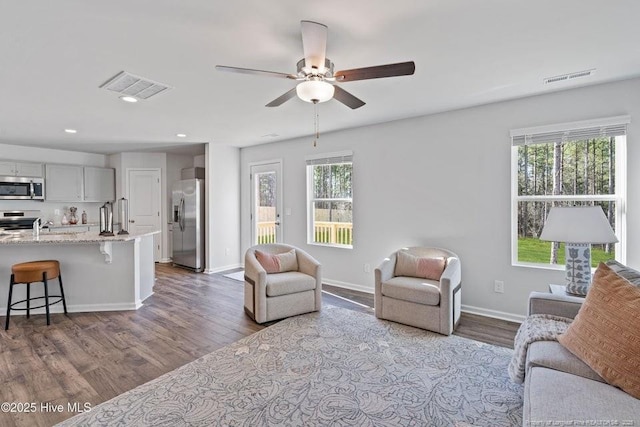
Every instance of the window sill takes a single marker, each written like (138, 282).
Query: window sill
(329, 245)
(556, 267)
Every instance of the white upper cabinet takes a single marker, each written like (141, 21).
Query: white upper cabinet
(64, 183)
(71, 183)
(11, 168)
(99, 184)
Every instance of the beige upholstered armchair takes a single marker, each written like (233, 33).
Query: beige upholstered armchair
(403, 294)
(292, 286)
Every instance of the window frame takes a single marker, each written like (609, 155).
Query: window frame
(311, 162)
(619, 198)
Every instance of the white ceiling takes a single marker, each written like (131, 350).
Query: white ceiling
(54, 55)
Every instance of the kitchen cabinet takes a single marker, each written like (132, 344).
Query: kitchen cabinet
(64, 183)
(71, 183)
(26, 169)
(99, 184)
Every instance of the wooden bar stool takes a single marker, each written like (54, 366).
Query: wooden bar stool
(28, 273)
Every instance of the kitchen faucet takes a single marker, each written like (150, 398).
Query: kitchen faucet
(38, 225)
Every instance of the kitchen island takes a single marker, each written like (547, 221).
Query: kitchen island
(98, 273)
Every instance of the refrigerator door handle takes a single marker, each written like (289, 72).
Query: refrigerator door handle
(182, 214)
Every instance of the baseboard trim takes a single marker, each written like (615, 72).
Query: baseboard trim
(465, 308)
(493, 313)
(79, 308)
(221, 269)
(347, 285)
(165, 260)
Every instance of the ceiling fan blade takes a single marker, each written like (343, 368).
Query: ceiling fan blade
(282, 98)
(346, 98)
(314, 44)
(377, 72)
(255, 72)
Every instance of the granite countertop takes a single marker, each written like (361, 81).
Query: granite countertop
(26, 237)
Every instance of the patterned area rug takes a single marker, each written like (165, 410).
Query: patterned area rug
(336, 367)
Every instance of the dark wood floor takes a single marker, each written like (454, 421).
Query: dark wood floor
(92, 357)
(479, 328)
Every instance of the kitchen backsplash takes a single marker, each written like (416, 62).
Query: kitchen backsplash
(53, 211)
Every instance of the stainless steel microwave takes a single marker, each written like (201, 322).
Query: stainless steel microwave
(19, 188)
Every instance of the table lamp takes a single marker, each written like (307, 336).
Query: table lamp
(578, 227)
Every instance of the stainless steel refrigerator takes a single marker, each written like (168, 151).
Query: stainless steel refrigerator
(188, 224)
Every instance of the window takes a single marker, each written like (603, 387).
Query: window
(573, 164)
(330, 200)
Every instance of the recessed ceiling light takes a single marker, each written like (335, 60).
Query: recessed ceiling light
(129, 99)
(71, 131)
(181, 135)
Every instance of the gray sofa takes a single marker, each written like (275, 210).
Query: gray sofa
(560, 389)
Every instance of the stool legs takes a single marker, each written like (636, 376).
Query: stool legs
(46, 296)
(6, 323)
(27, 273)
(28, 299)
(64, 302)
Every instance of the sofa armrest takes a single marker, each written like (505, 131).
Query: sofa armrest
(450, 281)
(383, 273)
(256, 278)
(557, 305)
(307, 264)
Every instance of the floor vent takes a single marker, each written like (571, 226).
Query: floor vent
(570, 76)
(129, 85)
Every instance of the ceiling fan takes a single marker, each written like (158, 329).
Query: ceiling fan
(318, 82)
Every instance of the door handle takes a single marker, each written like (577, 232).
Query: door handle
(132, 221)
(277, 223)
(182, 207)
(32, 191)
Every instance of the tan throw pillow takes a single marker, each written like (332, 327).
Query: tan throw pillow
(424, 268)
(278, 263)
(606, 332)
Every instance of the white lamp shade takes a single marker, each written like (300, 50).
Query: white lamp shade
(578, 224)
(315, 91)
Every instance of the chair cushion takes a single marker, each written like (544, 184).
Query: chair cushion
(554, 398)
(289, 283)
(278, 263)
(412, 289)
(606, 332)
(30, 272)
(552, 355)
(422, 267)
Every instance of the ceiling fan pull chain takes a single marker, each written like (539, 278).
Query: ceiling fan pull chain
(316, 123)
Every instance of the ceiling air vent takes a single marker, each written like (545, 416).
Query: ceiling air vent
(570, 76)
(129, 85)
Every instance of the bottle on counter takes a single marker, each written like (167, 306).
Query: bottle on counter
(65, 220)
(73, 218)
(84, 217)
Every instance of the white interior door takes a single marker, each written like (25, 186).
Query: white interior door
(145, 195)
(266, 203)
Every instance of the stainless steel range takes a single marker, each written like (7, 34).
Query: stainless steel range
(18, 220)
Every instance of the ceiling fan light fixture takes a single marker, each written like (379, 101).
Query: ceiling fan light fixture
(315, 91)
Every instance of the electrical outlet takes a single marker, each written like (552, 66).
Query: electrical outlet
(367, 268)
(498, 286)
(227, 251)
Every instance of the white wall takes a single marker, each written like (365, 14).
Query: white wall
(222, 207)
(46, 155)
(123, 161)
(444, 180)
